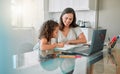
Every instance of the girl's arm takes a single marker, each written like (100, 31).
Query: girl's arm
(81, 39)
(45, 46)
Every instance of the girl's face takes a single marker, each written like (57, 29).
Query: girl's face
(55, 32)
(67, 19)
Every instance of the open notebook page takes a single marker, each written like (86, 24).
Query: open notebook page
(68, 47)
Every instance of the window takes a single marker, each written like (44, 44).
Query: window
(27, 13)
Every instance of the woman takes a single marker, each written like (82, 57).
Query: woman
(70, 32)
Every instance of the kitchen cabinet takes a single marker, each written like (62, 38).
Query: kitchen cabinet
(54, 6)
(84, 4)
(88, 33)
(60, 5)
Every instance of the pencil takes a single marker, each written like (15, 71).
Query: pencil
(69, 56)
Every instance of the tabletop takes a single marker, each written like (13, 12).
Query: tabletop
(29, 62)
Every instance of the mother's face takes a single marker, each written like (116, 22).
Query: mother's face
(67, 19)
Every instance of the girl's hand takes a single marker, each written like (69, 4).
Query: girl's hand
(68, 42)
(60, 45)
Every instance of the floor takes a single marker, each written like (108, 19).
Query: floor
(104, 66)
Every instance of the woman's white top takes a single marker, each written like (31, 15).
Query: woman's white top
(72, 34)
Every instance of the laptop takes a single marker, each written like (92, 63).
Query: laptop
(97, 43)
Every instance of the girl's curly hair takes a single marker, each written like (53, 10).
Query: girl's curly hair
(47, 29)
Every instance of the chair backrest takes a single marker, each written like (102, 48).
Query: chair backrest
(23, 40)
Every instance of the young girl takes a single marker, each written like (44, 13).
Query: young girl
(48, 33)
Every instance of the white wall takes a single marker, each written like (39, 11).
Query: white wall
(109, 16)
(42, 13)
(46, 8)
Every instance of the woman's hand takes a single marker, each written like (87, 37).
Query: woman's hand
(70, 42)
(80, 39)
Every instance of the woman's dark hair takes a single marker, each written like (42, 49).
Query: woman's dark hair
(66, 11)
(47, 29)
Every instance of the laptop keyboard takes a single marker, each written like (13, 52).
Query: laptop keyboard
(85, 51)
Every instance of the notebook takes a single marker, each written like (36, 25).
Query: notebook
(68, 47)
(97, 43)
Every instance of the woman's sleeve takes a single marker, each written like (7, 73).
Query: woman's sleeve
(78, 31)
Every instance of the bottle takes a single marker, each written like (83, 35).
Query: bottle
(113, 41)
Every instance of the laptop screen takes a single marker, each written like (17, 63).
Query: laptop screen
(98, 40)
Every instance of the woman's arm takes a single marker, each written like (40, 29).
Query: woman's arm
(81, 39)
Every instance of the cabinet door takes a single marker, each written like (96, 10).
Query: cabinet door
(60, 5)
(84, 4)
(81, 4)
(54, 6)
(65, 3)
